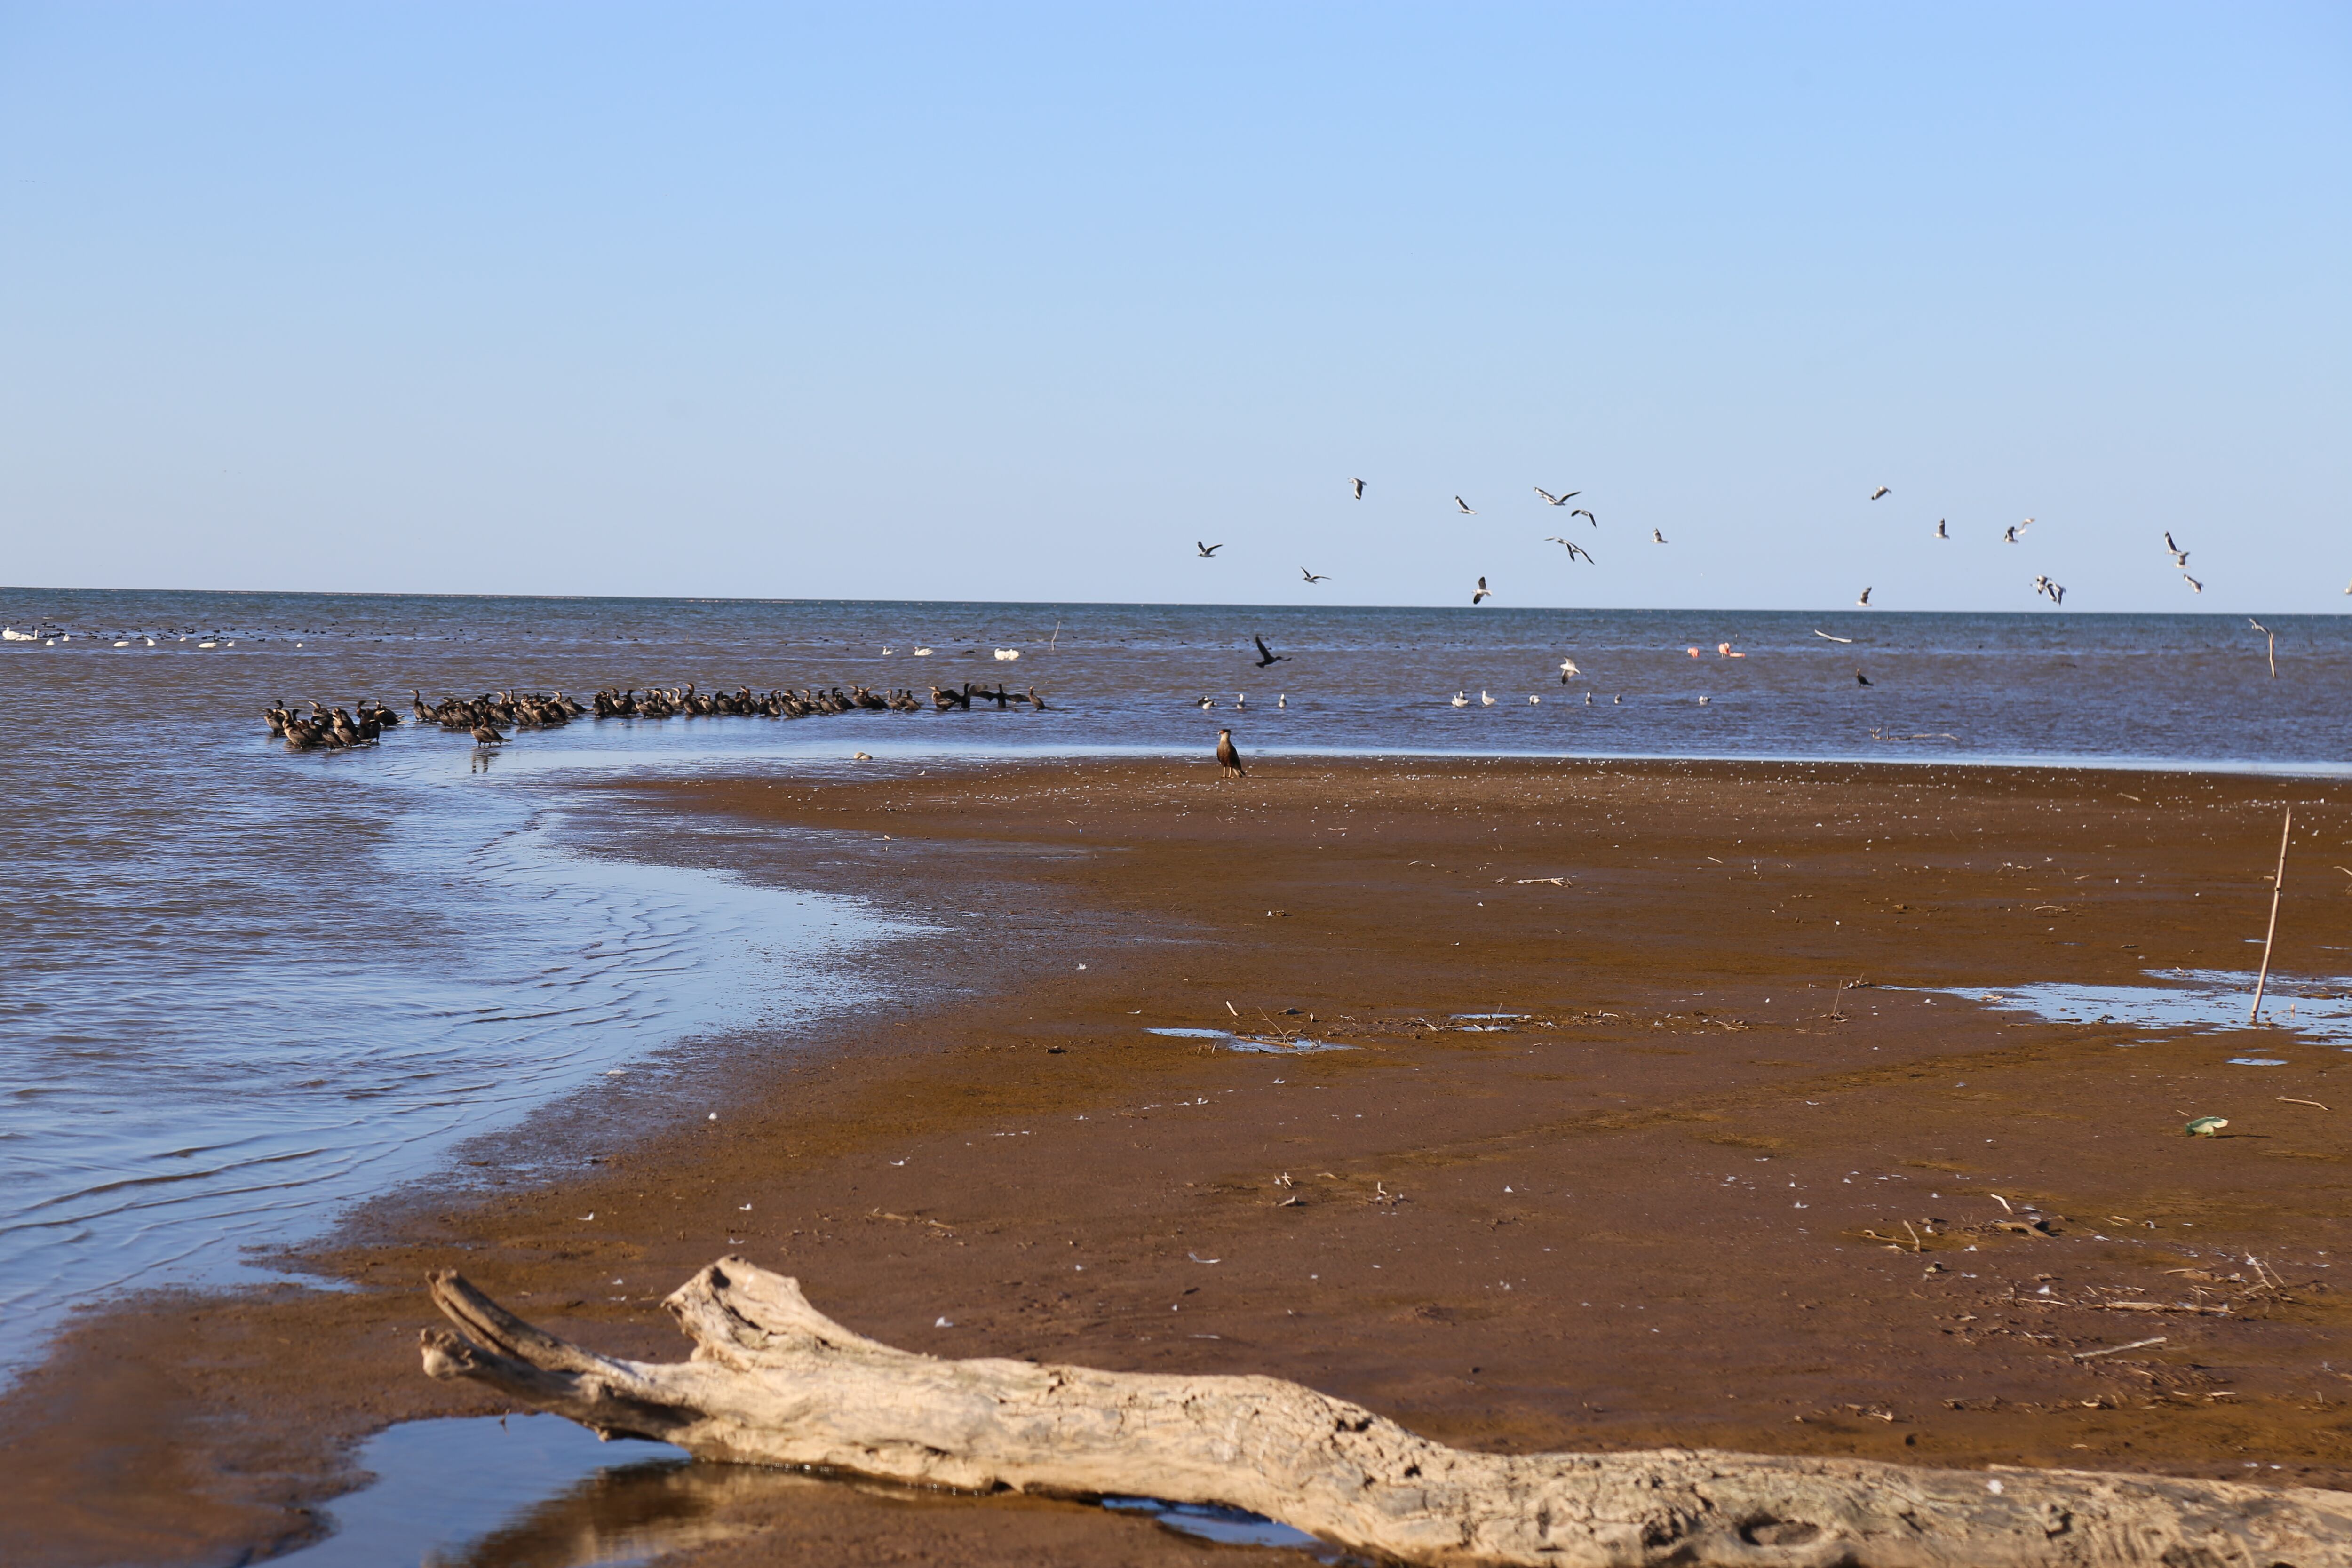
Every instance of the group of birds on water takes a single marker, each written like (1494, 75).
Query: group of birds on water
(326, 728)
(2043, 585)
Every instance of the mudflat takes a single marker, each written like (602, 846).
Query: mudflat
(1666, 1103)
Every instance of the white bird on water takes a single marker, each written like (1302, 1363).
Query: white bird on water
(1864, 600)
(1461, 699)
(1484, 593)
(1484, 700)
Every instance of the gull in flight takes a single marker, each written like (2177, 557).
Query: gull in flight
(2200, 587)
(2180, 556)
(1574, 549)
(1864, 600)
(2055, 592)
(1567, 671)
(1207, 552)
(1657, 536)
(1822, 634)
(1466, 506)
(1551, 499)
(1595, 522)
(1940, 531)
(1484, 593)
(1879, 491)
(1311, 577)
(1267, 655)
(2009, 536)
(1358, 486)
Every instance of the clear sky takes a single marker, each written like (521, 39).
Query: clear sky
(1007, 301)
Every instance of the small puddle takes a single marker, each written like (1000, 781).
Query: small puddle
(537, 1491)
(2316, 1010)
(1229, 1041)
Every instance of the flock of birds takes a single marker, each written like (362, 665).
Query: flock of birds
(326, 728)
(2013, 534)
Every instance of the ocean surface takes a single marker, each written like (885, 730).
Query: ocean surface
(246, 987)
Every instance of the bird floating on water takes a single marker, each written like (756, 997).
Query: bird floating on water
(1551, 499)
(922, 653)
(1484, 593)
(1484, 700)
(1008, 653)
(1880, 492)
(1461, 699)
(1208, 552)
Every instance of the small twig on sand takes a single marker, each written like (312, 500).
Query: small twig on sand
(2290, 1100)
(2001, 1201)
(2116, 1349)
(2278, 882)
(1914, 1237)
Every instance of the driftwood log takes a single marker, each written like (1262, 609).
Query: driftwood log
(775, 1381)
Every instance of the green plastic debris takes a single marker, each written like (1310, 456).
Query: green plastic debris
(2207, 1126)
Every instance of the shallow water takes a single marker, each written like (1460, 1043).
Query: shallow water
(1261, 1044)
(2297, 1010)
(537, 1491)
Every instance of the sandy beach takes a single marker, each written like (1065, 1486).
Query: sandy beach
(1680, 1103)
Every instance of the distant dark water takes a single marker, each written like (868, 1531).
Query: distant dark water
(246, 987)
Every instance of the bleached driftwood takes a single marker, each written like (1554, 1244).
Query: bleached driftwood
(773, 1381)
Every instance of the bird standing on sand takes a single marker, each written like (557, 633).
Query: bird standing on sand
(1229, 761)
(1483, 593)
(2180, 556)
(1358, 486)
(1208, 552)
(1551, 499)
(1880, 492)
(1467, 509)
(1267, 655)
(1864, 600)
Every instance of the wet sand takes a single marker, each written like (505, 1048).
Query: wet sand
(1653, 1210)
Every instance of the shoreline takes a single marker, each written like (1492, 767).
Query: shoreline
(1651, 1082)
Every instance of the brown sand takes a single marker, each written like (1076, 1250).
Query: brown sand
(1653, 1211)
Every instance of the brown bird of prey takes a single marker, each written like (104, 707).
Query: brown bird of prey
(1229, 761)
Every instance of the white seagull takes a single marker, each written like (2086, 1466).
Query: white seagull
(1657, 537)
(1207, 550)
(1484, 700)
(1461, 699)
(2180, 556)
(1587, 516)
(1484, 593)
(1574, 549)
(1567, 671)
(1864, 600)
(1358, 486)
(1879, 491)
(1551, 499)
(1312, 578)
(2200, 587)
(1466, 506)
(1940, 531)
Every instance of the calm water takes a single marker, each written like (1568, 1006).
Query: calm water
(246, 987)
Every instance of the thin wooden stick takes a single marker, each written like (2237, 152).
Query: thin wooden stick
(2278, 881)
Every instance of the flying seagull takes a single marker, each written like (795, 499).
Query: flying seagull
(1879, 491)
(1574, 549)
(2200, 587)
(2180, 556)
(1822, 634)
(1208, 552)
(1595, 522)
(1358, 485)
(2010, 536)
(1567, 671)
(1659, 537)
(1266, 655)
(1551, 499)
(1864, 600)
(1483, 593)
(1940, 531)
(1312, 578)
(1466, 506)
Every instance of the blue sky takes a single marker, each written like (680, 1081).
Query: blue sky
(1018, 303)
